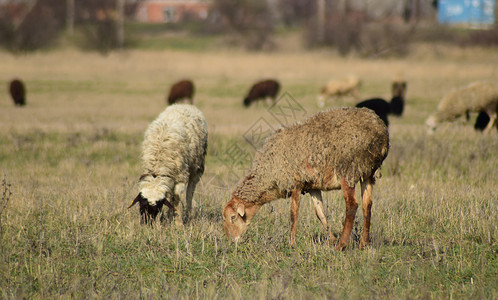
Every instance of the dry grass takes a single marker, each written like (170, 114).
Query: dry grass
(71, 157)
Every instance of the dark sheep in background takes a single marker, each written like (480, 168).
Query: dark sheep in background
(182, 90)
(380, 106)
(383, 108)
(262, 90)
(18, 92)
(398, 88)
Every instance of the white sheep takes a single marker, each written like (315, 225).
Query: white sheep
(173, 153)
(331, 150)
(339, 88)
(476, 97)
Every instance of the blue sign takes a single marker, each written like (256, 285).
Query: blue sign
(471, 12)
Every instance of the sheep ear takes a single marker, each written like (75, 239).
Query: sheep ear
(241, 210)
(137, 199)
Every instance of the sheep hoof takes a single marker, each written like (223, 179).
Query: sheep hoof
(332, 240)
(363, 245)
(179, 223)
(340, 246)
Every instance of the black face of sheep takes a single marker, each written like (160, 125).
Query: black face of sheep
(261, 90)
(148, 213)
(17, 92)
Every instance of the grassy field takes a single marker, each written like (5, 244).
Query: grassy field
(70, 160)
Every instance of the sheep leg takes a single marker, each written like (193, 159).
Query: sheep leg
(366, 194)
(316, 196)
(321, 101)
(351, 207)
(491, 124)
(268, 101)
(179, 198)
(294, 213)
(190, 195)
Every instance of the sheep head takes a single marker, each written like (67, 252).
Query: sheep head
(431, 123)
(148, 212)
(237, 216)
(398, 88)
(154, 193)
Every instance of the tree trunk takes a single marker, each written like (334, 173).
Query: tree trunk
(70, 16)
(321, 20)
(120, 22)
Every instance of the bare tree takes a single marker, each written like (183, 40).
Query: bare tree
(120, 23)
(70, 16)
(321, 20)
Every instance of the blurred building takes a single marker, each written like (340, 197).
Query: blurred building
(172, 11)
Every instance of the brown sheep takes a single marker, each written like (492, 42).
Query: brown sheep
(398, 87)
(331, 150)
(17, 92)
(262, 90)
(182, 90)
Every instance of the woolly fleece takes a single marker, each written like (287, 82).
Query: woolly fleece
(173, 151)
(475, 97)
(316, 154)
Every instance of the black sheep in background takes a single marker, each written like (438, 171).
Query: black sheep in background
(398, 89)
(183, 89)
(380, 106)
(383, 108)
(18, 92)
(261, 90)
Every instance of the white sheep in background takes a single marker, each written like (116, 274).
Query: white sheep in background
(476, 97)
(331, 150)
(339, 88)
(173, 153)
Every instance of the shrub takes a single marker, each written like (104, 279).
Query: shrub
(352, 32)
(39, 28)
(248, 21)
(483, 37)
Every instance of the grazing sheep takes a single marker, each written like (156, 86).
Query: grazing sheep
(478, 96)
(380, 106)
(173, 154)
(262, 90)
(333, 149)
(17, 92)
(182, 90)
(383, 108)
(398, 89)
(339, 88)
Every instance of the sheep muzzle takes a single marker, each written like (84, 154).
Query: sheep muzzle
(149, 212)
